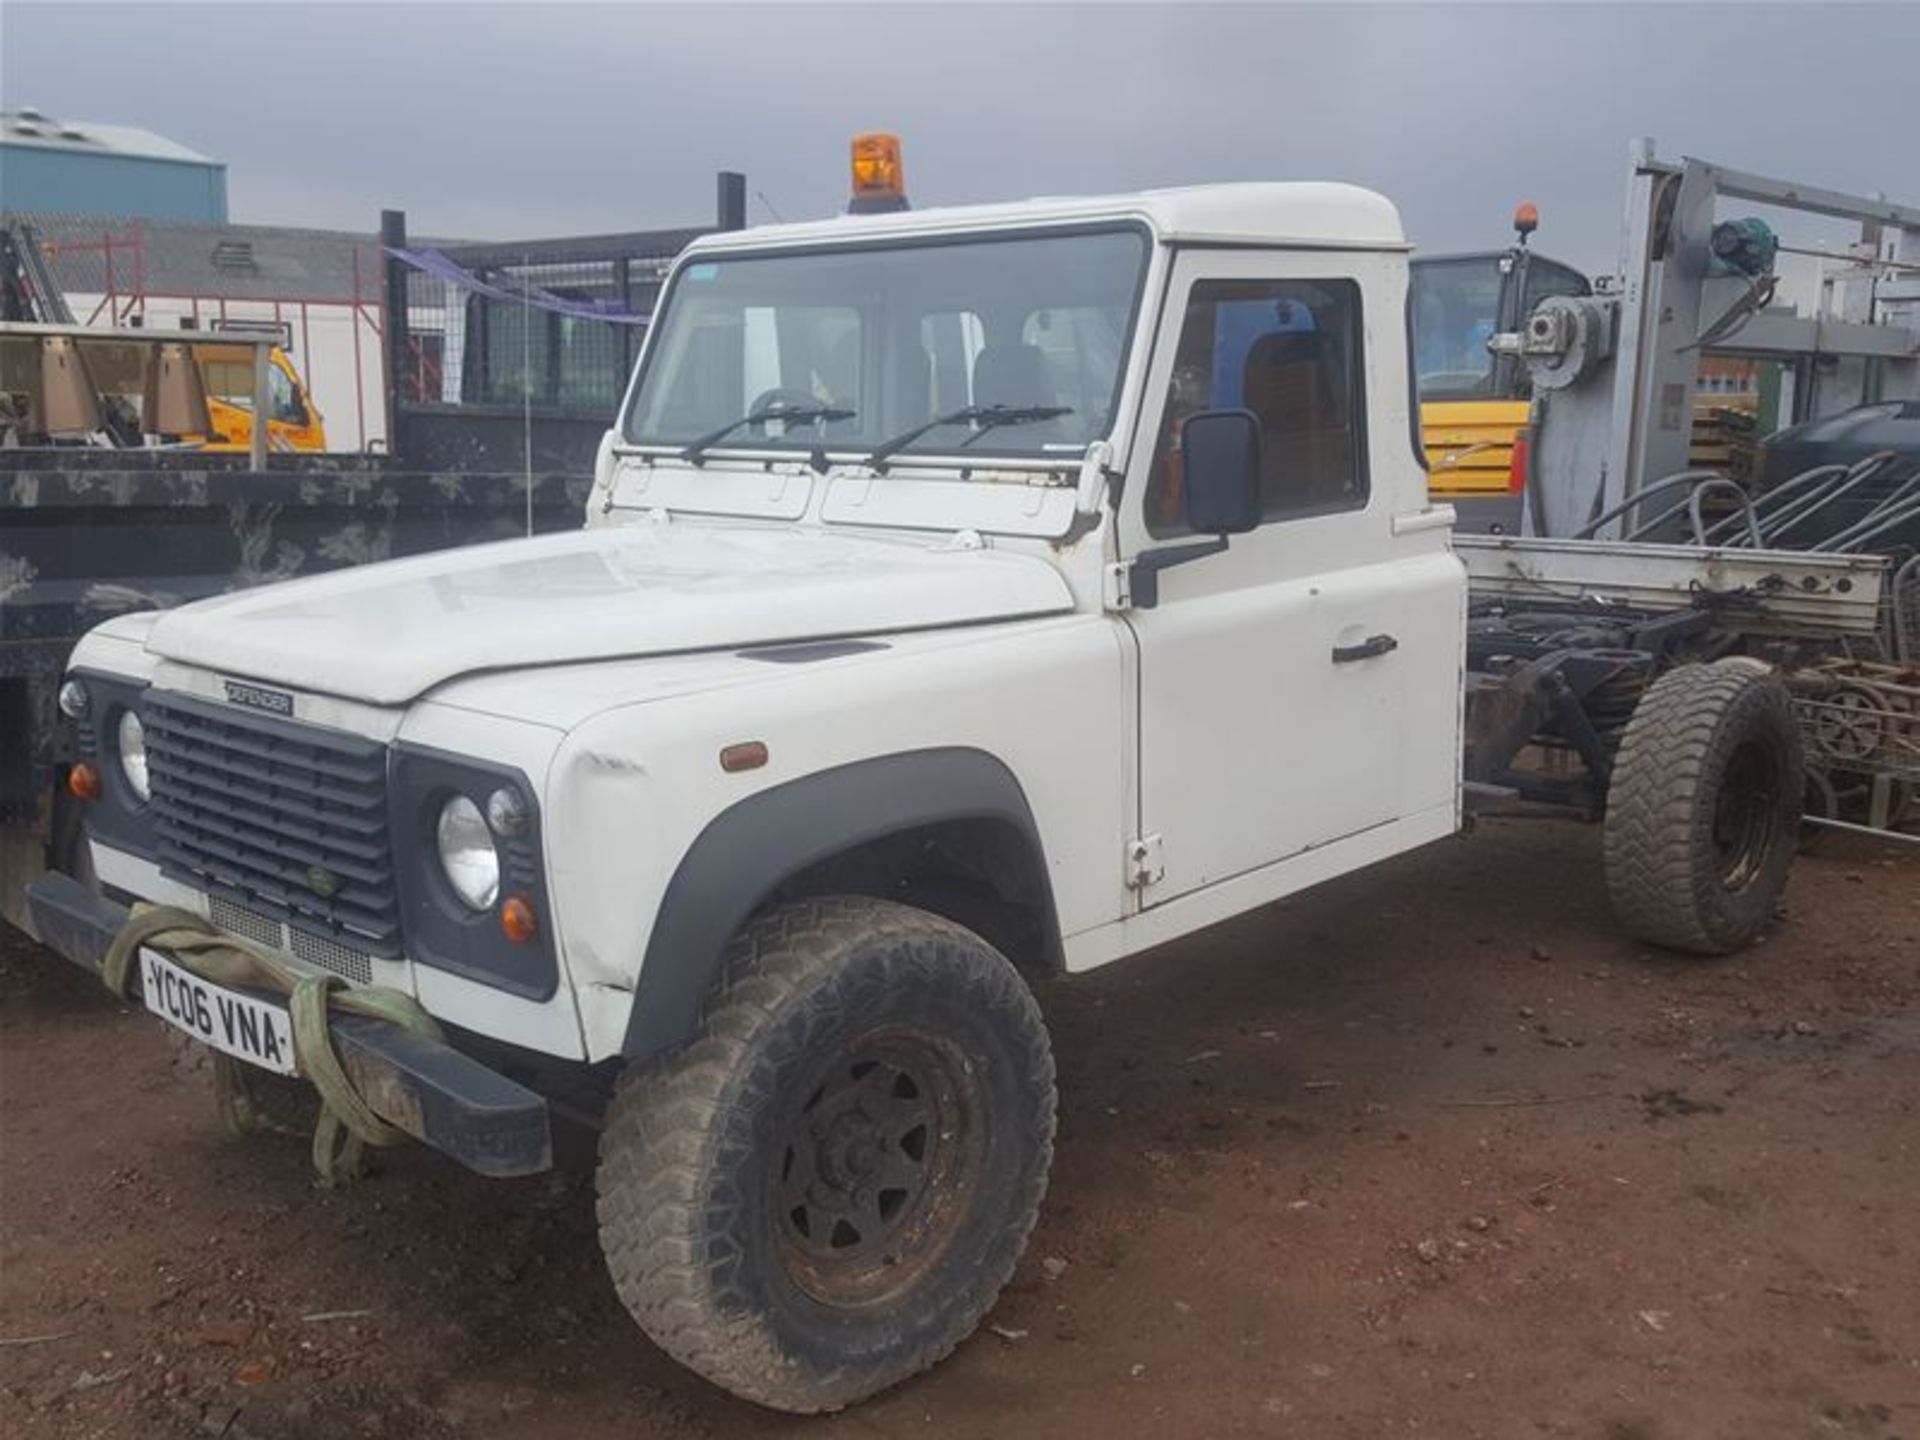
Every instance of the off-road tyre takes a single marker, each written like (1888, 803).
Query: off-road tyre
(724, 1165)
(1703, 808)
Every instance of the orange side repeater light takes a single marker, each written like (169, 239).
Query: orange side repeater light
(83, 782)
(518, 921)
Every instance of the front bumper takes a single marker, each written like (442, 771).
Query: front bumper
(433, 1092)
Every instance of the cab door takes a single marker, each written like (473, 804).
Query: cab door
(1269, 672)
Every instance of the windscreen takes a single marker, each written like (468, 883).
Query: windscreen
(1009, 346)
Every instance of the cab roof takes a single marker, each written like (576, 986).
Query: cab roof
(1295, 213)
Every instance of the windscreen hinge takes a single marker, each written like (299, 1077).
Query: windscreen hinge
(1116, 589)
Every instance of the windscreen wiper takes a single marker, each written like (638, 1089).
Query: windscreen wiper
(986, 417)
(790, 414)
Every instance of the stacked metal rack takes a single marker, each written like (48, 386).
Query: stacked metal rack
(1860, 722)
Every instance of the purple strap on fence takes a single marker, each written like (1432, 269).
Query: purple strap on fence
(515, 291)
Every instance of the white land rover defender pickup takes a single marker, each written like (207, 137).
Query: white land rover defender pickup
(963, 593)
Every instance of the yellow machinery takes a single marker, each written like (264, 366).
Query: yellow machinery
(65, 384)
(1473, 403)
(74, 384)
(293, 424)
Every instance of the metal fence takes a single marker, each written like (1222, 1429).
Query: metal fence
(542, 333)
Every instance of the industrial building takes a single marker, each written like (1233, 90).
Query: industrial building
(84, 167)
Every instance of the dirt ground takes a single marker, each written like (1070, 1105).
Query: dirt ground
(1430, 1151)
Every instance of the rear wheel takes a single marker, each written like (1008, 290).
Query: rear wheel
(823, 1193)
(1703, 807)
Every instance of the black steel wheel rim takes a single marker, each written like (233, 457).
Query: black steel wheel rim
(876, 1166)
(1746, 815)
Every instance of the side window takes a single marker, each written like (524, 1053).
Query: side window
(229, 381)
(1289, 351)
(283, 405)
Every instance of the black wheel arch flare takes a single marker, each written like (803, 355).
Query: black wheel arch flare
(747, 851)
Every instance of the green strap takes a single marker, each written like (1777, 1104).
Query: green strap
(347, 1123)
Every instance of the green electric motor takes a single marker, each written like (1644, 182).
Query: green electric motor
(1743, 247)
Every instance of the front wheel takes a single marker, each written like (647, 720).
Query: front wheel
(824, 1192)
(1704, 806)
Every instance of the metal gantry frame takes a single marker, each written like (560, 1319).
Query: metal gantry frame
(1628, 428)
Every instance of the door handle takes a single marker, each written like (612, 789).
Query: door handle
(1368, 648)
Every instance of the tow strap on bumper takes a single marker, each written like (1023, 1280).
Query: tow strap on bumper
(382, 1067)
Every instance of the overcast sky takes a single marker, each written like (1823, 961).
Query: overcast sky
(526, 120)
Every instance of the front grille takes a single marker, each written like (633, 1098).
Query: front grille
(238, 920)
(287, 820)
(328, 955)
(235, 919)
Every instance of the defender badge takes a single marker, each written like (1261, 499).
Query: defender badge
(258, 697)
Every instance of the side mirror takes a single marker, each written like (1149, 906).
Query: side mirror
(1220, 459)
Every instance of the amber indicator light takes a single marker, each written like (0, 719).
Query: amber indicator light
(518, 921)
(747, 755)
(83, 782)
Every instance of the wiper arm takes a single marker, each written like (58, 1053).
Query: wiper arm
(987, 417)
(791, 414)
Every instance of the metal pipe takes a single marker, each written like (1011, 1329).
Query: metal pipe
(393, 236)
(1685, 477)
(262, 412)
(1854, 829)
(731, 210)
(1812, 504)
(1779, 493)
(1898, 511)
(1865, 262)
(1695, 497)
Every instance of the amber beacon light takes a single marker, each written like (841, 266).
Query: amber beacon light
(879, 179)
(1526, 219)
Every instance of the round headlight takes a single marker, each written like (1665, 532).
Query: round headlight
(73, 699)
(467, 855)
(133, 754)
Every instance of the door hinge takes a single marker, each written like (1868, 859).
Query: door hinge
(1145, 862)
(1117, 587)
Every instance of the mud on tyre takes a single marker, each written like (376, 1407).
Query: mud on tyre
(825, 1191)
(1703, 807)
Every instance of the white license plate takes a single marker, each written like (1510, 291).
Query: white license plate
(248, 1029)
